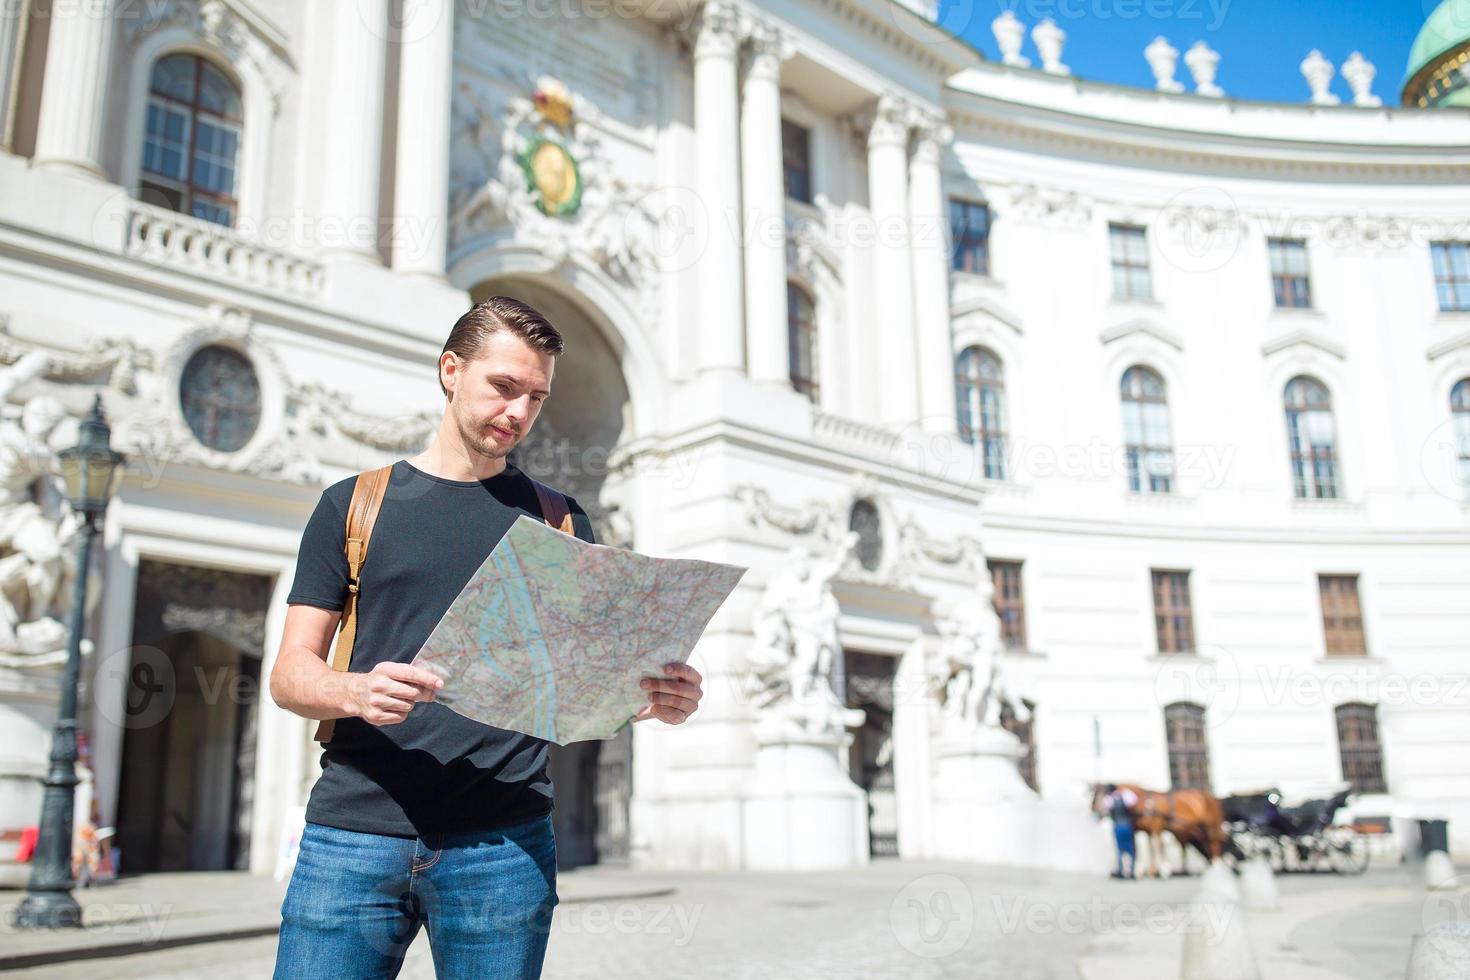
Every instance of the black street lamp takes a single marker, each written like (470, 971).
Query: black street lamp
(91, 469)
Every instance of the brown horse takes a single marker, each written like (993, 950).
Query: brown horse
(1193, 816)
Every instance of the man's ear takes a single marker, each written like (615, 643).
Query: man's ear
(448, 372)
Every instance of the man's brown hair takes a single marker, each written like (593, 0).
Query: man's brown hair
(490, 316)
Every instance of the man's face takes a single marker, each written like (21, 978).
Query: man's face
(498, 395)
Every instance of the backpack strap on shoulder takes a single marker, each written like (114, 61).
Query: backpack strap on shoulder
(362, 514)
(555, 510)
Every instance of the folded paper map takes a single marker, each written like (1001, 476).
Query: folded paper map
(552, 635)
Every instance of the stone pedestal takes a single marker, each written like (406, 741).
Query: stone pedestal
(803, 812)
(30, 689)
(985, 812)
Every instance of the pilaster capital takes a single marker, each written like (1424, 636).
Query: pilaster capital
(888, 121)
(932, 133)
(714, 30)
(767, 47)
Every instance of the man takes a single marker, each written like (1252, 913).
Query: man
(1118, 804)
(422, 817)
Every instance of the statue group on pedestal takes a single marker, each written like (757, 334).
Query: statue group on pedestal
(968, 671)
(37, 528)
(797, 646)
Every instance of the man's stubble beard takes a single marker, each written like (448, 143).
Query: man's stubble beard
(479, 444)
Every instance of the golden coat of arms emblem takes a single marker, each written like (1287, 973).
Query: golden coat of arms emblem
(551, 170)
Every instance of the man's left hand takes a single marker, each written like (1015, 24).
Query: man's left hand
(673, 697)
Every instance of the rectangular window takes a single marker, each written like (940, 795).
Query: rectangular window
(166, 142)
(1128, 247)
(1359, 748)
(1010, 606)
(1342, 616)
(1290, 278)
(1189, 752)
(969, 229)
(796, 161)
(1173, 617)
(1452, 275)
(216, 149)
(801, 340)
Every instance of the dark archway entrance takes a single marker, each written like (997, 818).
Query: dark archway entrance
(584, 420)
(868, 684)
(193, 692)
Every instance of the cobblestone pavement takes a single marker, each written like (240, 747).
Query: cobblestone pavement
(891, 919)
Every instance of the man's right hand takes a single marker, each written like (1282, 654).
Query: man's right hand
(386, 694)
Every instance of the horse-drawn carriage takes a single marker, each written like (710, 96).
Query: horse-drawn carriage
(1293, 834)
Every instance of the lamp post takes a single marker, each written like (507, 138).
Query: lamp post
(91, 469)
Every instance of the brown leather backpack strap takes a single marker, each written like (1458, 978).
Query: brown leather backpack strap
(555, 510)
(362, 514)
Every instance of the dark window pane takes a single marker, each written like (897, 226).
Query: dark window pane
(174, 77)
(1128, 248)
(1189, 759)
(219, 393)
(969, 229)
(1311, 433)
(1452, 274)
(796, 159)
(216, 94)
(1146, 440)
(189, 146)
(980, 406)
(1173, 614)
(1009, 602)
(161, 195)
(801, 339)
(1359, 748)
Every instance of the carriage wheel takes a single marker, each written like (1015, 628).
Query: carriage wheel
(1347, 852)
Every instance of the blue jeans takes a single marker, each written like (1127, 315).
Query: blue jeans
(356, 901)
(1123, 837)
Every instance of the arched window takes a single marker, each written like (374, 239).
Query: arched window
(980, 406)
(1313, 438)
(1357, 743)
(1150, 451)
(191, 150)
(1189, 754)
(1460, 408)
(801, 339)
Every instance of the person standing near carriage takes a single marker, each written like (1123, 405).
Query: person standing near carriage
(1118, 804)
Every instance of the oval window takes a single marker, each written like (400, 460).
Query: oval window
(219, 393)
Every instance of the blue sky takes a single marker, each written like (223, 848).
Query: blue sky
(1261, 42)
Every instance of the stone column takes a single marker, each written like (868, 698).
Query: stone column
(762, 182)
(931, 278)
(74, 91)
(716, 41)
(421, 178)
(353, 43)
(11, 29)
(893, 287)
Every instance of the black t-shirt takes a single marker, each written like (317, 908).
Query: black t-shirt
(436, 770)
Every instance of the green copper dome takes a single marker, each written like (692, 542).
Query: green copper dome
(1438, 72)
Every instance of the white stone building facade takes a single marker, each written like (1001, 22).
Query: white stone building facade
(811, 258)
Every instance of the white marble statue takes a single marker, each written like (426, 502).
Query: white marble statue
(37, 528)
(968, 669)
(796, 641)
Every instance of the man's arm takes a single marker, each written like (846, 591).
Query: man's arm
(304, 683)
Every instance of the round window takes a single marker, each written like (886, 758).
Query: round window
(219, 393)
(865, 521)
